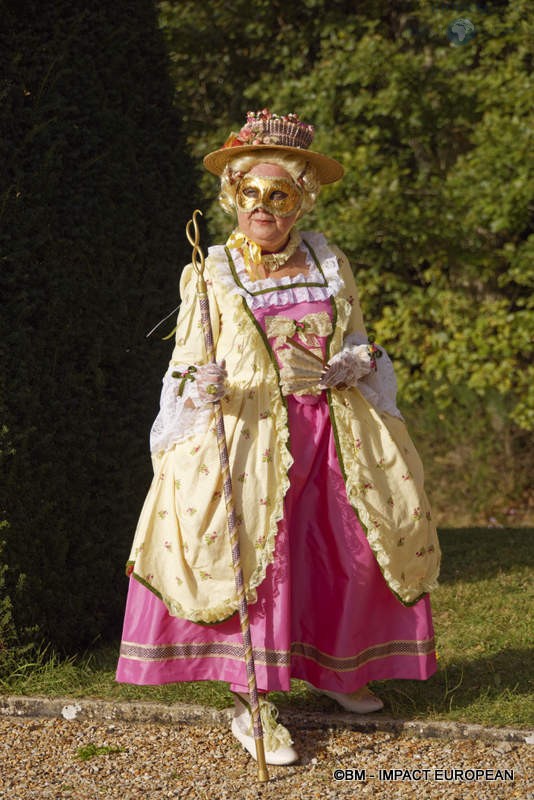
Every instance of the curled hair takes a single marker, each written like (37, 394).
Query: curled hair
(302, 172)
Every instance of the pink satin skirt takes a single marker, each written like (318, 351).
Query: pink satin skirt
(324, 612)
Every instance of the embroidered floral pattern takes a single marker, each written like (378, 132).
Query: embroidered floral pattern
(162, 514)
(363, 474)
(203, 469)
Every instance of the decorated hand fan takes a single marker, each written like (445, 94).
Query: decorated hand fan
(301, 370)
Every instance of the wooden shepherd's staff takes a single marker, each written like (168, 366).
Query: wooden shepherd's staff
(198, 264)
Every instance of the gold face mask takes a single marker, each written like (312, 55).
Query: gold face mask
(279, 196)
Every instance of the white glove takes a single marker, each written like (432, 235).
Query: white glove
(347, 367)
(210, 381)
(379, 386)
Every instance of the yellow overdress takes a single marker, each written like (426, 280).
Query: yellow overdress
(181, 549)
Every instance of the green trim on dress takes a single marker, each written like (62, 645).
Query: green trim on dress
(265, 340)
(281, 287)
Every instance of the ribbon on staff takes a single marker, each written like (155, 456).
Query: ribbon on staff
(193, 236)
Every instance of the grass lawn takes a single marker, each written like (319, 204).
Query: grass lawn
(483, 620)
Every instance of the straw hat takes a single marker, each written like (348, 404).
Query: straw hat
(268, 133)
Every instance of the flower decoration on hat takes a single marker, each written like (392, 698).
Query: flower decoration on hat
(274, 132)
(264, 127)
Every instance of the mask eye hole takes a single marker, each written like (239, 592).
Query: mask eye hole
(251, 192)
(278, 196)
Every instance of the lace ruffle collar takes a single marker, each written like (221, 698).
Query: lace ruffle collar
(321, 282)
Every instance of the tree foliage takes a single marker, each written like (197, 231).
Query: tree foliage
(95, 194)
(434, 212)
(435, 207)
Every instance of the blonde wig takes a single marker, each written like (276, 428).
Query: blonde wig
(302, 172)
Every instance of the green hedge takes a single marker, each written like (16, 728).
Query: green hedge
(92, 210)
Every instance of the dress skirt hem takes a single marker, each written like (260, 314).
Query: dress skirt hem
(324, 613)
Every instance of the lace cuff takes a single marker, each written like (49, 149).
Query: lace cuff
(178, 419)
(348, 366)
(379, 387)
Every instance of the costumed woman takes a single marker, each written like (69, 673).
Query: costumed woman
(338, 547)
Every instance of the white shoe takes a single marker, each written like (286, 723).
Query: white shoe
(362, 701)
(276, 738)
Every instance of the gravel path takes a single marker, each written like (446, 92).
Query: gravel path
(39, 759)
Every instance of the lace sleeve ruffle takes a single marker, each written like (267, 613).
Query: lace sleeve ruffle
(180, 416)
(379, 387)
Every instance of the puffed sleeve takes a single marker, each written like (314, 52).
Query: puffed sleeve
(356, 323)
(181, 413)
(379, 386)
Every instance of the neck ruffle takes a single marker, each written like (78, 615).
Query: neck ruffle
(273, 291)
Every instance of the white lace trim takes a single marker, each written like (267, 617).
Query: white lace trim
(273, 295)
(176, 421)
(379, 387)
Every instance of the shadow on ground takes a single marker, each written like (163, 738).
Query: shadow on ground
(474, 554)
